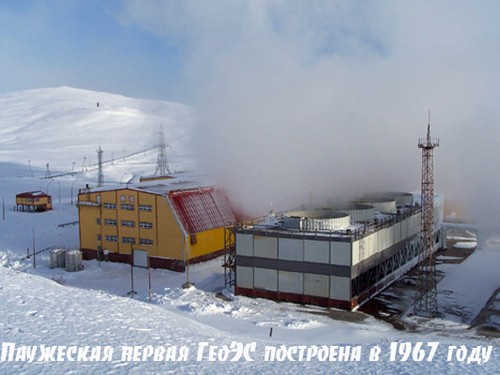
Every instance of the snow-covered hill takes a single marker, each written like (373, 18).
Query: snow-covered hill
(64, 127)
(90, 312)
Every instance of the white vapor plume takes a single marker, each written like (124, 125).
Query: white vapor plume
(305, 102)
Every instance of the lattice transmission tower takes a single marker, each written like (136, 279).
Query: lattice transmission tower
(426, 301)
(162, 168)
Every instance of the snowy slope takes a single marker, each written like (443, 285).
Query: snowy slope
(63, 125)
(39, 311)
(43, 306)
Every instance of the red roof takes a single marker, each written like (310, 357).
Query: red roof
(31, 194)
(201, 209)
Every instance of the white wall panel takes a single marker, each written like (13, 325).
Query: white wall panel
(265, 247)
(404, 229)
(291, 282)
(317, 251)
(244, 277)
(316, 285)
(355, 252)
(291, 249)
(340, 253)
(384, 238)
(372, 244)
(367, 246)
(396, 232)
(340, 288)
(244, 244)
(414, 224)
(265, 279)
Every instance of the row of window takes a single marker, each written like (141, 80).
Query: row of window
(126, 223)
(129, 206)
(126, 240)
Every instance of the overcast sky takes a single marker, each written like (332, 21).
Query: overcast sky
(296, 100)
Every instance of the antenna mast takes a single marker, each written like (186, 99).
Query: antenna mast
(426, 301)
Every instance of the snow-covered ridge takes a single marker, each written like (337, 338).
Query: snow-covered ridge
(64, 126)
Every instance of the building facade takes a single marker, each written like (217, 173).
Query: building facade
(330, 258)
(173, 227)
(33, 201)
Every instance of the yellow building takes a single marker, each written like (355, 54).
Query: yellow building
(171, 227)
(33, 201)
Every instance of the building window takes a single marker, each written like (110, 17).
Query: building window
(111, 206)
(98, 221)
(99, 237)
(127, 207)
(131, 198)
(146, 241)
(109, 222)
(145, 207)
(128, 223)
(145, 225)
(122, 198)
(130, 240)
(111, 238)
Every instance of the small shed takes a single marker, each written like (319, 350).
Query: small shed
(36, 201)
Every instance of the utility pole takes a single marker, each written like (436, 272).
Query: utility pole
(34, 252)
(100, 175)
(426, 301)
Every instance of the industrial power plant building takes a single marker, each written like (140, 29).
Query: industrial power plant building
(336, 257)
(168, 225)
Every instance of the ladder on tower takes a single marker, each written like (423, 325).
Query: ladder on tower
(229, 256)
(426, 299)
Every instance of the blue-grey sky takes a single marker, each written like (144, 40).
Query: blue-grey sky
(336, 89)
(84, 44)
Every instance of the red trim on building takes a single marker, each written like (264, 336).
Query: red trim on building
(154, 262)
(32, 194)
(296, 298)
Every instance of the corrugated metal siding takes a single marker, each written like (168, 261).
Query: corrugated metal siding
(201, 209)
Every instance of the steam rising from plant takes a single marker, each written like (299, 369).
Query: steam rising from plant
(304, 102)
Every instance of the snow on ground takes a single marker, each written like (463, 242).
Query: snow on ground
(43, 306)
(468, 287)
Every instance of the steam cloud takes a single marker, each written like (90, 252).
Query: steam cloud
(305, 102)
